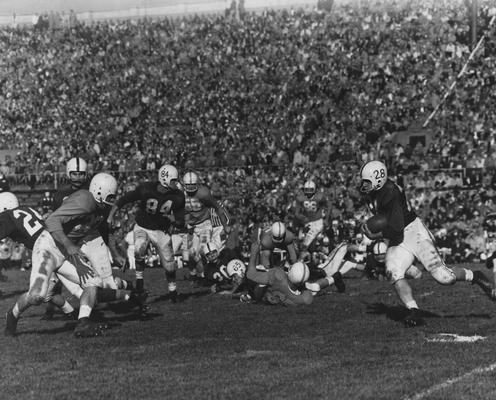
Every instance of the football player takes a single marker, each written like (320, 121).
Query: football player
(100, 245)
(161, 208)
(277, 246)
(273, 285)
(215, 264)
(199, 202)
(311, 211)
(55, 242)
(408, 237)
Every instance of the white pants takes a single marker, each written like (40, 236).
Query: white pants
(313, 230)
(162, 242)
(46, 259)
(418, 243)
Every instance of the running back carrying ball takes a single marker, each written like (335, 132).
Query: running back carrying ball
(374, 226)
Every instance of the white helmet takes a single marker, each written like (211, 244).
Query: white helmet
(379, 249)
(210, 251)
(190, 182)
(103, 187)
(236, 267)
(278, 232)
(309, 188)
(76, 171)
(298, 273)
(373, 176)
(167, 174)
(8, 201)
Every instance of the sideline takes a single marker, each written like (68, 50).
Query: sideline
(449, 382)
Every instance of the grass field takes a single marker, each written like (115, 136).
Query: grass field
(344, 346)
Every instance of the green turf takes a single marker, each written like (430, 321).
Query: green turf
(344, 346)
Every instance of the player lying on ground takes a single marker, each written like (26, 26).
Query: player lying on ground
(274, 286)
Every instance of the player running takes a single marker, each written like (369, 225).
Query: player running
(161, 207)
(199, 202)
(408, 237)
(61, 239)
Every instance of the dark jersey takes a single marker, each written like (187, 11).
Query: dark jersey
(62, 193)
(390, 200)
(215, 272)
(22, 225)
(156, 208)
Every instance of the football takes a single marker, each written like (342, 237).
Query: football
(376, 223)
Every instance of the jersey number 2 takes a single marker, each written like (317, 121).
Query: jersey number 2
(31, 226)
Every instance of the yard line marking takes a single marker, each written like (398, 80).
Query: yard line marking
(452, 381)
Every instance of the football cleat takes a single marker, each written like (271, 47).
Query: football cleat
(339, 282)
(413, 318)
(10, 324)
(481, 280)
(173, 296)
(86, 328)
(71, 316)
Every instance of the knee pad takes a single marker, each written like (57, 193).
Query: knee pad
(443, 275)
(394, 272)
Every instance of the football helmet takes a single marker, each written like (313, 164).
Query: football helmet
(379, 249)
(76, 171)
(278, 231)
(8, 201)
(168, 176)
(210, 251)
(298, 273)
(103, 187)
(236, 267)
(190, 182)
(309, 188)
(373, 176)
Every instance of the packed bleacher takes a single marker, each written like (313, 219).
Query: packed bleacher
(262, 103)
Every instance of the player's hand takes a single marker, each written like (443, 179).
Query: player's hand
(83, 266)
(120, 260)
(227, 229)
(366, 231)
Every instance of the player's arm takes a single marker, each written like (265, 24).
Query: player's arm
(67, 212)
(129, 197)
(292, 256)
(208, 200)
(260, 277)
(179, 213)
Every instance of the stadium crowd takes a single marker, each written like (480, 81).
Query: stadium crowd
(261, 104)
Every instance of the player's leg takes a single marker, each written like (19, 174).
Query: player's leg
(97, 252)
(44, 263)
(163, 243)
(141, 241)
(428, 254)
(398, 261)
(331, 268)
(54, 292)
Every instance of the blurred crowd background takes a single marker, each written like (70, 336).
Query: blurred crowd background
(260, 102)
